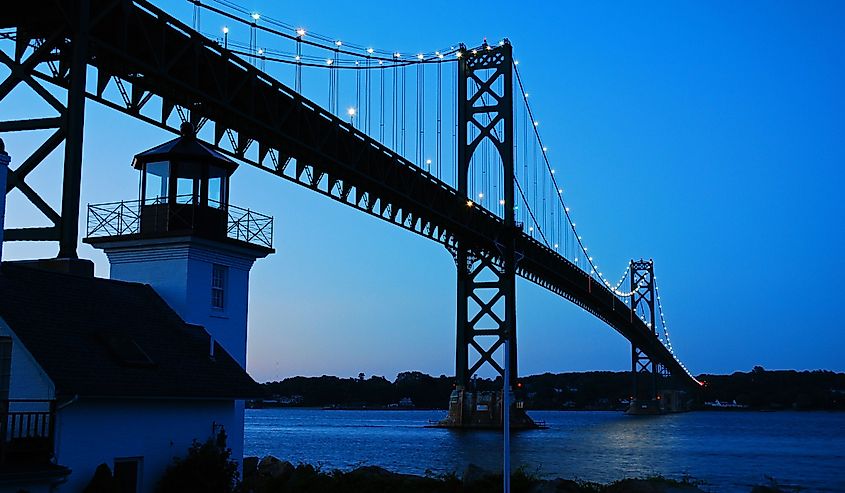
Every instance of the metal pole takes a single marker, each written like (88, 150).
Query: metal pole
(4, 170)
(506, 419)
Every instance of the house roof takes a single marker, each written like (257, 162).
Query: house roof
(105, 338)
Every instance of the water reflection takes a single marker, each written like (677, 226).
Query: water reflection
(731, 451)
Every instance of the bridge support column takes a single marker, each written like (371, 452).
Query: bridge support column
(645, 398)
(486, 280)
(33, 62)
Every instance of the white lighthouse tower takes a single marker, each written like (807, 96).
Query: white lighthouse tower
(184, 239)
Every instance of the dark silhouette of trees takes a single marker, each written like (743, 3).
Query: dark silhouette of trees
(759, 389)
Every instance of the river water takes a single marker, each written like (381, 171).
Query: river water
(729, 451)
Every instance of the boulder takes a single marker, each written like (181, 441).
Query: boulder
(653, 485)
(372, 472)
(474, 474)
(250, 466)
(556, 486)
(272, 467)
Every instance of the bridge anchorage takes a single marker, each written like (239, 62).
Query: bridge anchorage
(146, 65)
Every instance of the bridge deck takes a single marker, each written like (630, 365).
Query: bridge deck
(270, 125)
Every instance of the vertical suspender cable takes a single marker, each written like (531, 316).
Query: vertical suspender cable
(298, 80)
(402, 107)
(439, 146)
(367, 96)
(394, 127)
(381, 104)
(357, 92)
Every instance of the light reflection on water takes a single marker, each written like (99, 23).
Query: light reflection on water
(730, 451)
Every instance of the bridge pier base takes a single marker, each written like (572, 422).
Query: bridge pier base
(483, 410)
(644, 407)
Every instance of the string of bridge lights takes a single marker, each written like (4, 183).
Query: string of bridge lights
(362, 56)
(666, 331)
(594, 268)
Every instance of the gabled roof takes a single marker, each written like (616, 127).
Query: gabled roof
(104, 338)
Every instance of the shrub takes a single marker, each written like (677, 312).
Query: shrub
(207, 468)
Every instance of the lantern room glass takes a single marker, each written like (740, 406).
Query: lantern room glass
(174, 182)
(155, 183)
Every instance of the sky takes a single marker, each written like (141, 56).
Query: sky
(705, 135)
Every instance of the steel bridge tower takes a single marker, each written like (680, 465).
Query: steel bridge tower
(486, 281)
(645, 372)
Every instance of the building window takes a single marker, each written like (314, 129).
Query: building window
(5, 367)
(127, 474)
(219, 273)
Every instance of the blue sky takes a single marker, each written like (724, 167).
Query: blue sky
(706, 135)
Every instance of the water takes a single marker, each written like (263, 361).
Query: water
(730, 451)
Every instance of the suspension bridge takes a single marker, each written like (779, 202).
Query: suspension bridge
(442, 143)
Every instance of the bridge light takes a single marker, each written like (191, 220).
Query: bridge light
(502, 43)
(516, 62)
(397, 55)
(480, 195)
(256, 16)
(381, 62)
(536, 123)
(420, 56)
(260, 51)
(545, 148)
(350, 112)
(458, 54)
(559, 190)
(469, 203)
(531, 228)
(370, 51)
(553, 171)
(300, 32)
(338, 43)
(474, 52)
(428, 161)
(297, 58)
(225, 30)
(556, 245)
(502, 202)
(329, 61)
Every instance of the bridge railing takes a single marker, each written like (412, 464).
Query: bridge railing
(131, 217)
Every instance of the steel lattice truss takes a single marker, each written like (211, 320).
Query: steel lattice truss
(155, 69)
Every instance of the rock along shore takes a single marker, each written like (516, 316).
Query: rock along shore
(271, 475)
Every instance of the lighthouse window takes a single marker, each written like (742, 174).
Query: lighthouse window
(218, 286)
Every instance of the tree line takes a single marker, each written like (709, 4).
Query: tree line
(758, 389)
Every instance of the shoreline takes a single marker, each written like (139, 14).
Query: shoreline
(270, 475)
(405, 409)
